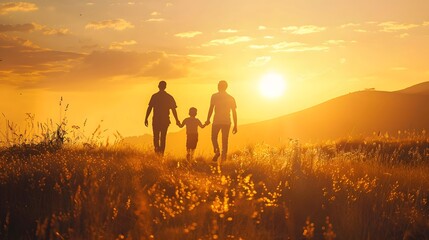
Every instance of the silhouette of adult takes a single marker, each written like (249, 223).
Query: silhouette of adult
(222, 104)
(161, 103)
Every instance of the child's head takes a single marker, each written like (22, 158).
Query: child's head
(192, 112)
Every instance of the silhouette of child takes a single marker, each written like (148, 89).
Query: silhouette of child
(192, 123)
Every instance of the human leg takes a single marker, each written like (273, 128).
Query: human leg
(163, 133)
(225, 135)
(156, 134)
(215, 132)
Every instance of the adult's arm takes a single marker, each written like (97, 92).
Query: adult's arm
(181, 125)
(234, 118)
(149, 109)
(209, 115)
(173, 110)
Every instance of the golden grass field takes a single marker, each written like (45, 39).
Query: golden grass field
(352, 189)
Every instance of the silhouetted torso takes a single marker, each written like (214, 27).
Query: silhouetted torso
(223, 103)
(192, 124)
(161, 102)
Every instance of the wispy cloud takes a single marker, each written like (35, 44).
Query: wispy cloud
(229, 30)
(24, 60)
(262, 27)
(306, 49)
(9, 7)
(200, 58)
(28, 27)
(228, 41)
(155, 20)
(286, 45)
(301, 30)
(52, 31)
(115, 24)
(121, 45)
(350, 25)
(296, 47)
(395, 26)
(260, 61)
(190, 34)
(17, 28)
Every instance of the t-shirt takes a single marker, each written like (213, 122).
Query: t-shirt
(223, 104)
(192, 124)
(162, 102)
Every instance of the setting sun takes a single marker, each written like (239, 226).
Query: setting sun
(272, 85)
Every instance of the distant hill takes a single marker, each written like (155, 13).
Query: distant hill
(421, 88)
(355, 114)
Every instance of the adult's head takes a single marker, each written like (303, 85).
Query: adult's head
(222, 86)
(162, 85)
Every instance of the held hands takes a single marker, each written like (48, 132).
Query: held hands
(178, 123)
(207, 123)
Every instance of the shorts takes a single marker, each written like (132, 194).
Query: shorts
(191, 141)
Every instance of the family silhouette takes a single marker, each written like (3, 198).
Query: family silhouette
(221, 104)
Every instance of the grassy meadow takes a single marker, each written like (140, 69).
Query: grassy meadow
(352, 189)
(61, 182)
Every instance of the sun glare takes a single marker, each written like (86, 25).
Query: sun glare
(272, 85)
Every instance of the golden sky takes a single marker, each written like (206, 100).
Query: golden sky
(105, 58)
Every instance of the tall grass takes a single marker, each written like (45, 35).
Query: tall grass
(348, 190)
(61, 182)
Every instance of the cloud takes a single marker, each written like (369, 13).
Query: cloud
(347, 25)
(25, 59)
(200, 58)
(361, 30)
(285, 45)
(394, 26)
(403, 35)
(28, 27)
(115, 24)
(104, 65)
(296, 47)
(39, 68)
(188, 34)
(57, 32)
(155, 20)
(301, 30)
(121, 45)
(260, 61)
(305, 49)
(262, 27)
(52, 31)
(9, 7)
(228, 41)
(17, 28)
(229, 30)
(426, 23)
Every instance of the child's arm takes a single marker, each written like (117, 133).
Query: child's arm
(202, 125)
(181, 125)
